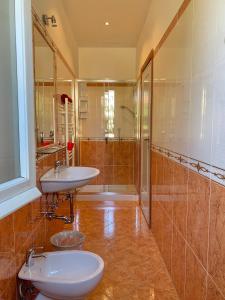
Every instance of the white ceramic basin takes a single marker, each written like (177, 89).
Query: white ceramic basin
(64, 275)
(67, 178)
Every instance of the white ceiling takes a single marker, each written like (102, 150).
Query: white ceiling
(87, 19)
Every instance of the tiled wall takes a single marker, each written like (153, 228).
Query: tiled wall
(20, 231)
(114, 159)
(188, 222)
(137, 100)
(188, 108)
(188, 218)
(136, 164)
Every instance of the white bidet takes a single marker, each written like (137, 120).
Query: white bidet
(64, 275)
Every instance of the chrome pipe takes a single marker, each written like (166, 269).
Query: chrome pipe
(51, 215)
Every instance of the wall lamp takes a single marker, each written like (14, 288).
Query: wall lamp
(49, 20)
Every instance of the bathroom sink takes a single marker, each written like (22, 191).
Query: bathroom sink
(64, 274)
(67, 178)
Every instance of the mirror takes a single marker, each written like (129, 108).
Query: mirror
(65, 117)
(45, 90)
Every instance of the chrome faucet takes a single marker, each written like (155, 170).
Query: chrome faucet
(58, 165)
(42, 137)
(32, 254)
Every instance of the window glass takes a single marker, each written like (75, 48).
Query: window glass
(9, 125)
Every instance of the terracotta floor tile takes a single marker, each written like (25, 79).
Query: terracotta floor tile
(134, 268)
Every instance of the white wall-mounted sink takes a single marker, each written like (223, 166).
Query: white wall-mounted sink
(64, 274)
(67, 178)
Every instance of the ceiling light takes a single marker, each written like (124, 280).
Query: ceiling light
(106, 23)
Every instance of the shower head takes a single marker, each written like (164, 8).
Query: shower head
(128, 109)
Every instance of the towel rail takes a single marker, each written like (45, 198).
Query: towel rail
(106, 139)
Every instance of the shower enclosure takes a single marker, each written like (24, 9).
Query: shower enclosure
(106, 134)
(146, 141)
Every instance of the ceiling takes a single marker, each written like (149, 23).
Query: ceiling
(87, 19)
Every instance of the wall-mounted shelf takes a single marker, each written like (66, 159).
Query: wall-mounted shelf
(83, 108)
(83, 115)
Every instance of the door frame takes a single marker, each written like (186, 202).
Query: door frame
(149, 59)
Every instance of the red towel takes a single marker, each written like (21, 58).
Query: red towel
(64, 97)
(70, 146)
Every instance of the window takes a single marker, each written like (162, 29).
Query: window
(9, 122)
(17, 151)
(109, 107)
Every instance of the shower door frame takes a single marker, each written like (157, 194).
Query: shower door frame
(145, 65)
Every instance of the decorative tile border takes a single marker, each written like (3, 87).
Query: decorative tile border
(215, 173)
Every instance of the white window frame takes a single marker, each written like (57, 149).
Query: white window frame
(20, 191)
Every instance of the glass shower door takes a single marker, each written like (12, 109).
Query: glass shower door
(145, 188)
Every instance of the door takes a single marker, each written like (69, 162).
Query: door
(146, 112)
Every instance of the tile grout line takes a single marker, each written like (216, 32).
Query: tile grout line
(219, 290)
(186, 230)
(209, 219)
(172, 242)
